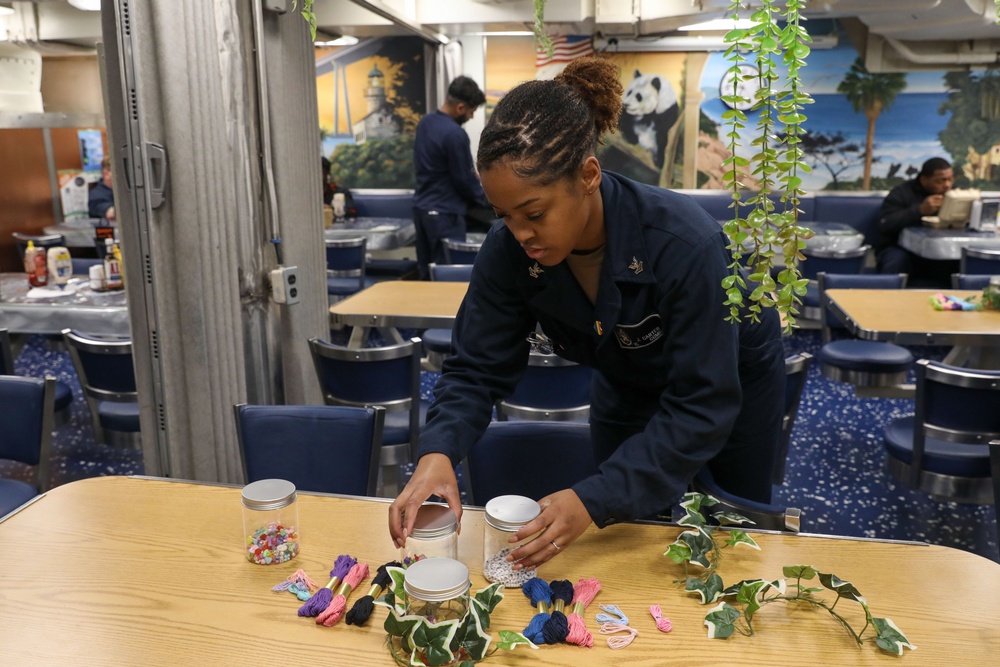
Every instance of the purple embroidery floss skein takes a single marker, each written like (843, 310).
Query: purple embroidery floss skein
(321, 600)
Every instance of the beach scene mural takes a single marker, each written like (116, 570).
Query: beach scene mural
(871, 131)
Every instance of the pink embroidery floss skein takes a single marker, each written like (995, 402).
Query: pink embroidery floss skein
(321, 600)
(338, 605)
(583, 594)
(662, 624)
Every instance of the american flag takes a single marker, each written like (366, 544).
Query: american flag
(565, 49)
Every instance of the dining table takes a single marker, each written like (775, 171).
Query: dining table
(380, 233)
(945, 244)
(28, 310)
(391, 304)
(147, 571)
(906, 317)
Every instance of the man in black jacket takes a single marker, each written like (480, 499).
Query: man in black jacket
(903, 207)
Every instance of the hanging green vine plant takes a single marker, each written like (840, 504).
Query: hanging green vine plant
(757, 239)
(307, 14)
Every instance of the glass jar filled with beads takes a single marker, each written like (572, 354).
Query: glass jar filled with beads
(434, 535)
(437, 589)
(505, 515)
(270, 521)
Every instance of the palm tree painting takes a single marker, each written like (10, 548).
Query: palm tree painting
(870, 94)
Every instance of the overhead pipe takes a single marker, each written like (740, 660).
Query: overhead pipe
(970, 58)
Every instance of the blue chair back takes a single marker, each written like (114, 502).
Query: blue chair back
(796, 373)
(321, 448)
(460, 252)
(980, 261)
(969, 281)
(552, 389)
(27, 407)
(346, 260)
(81, 266)
(104, 365)
(822, 261)
(852, 281)
(532, 459)
(765, 516)
(454, 273)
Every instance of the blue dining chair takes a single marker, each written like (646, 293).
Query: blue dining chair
(26, 407)
(528, 458)
(765, 516)
(388, 377)
(863, 363)
(321, 448)
(970, 281)
(346, 260)
(827, 261)
(437, 342)
(950, 447)
(551, 389)
(980, 261)
(461, 252)
(796, 373)
(64, 395)
(107, 376)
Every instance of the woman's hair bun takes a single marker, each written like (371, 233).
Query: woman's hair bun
(597, 81)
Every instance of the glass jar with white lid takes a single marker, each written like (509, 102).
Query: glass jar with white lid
(270, 521)
(505, 515)
(434, 535)
(437, 589)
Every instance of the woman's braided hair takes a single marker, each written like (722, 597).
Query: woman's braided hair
(544, 130)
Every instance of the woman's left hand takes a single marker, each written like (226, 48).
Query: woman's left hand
(562, 520)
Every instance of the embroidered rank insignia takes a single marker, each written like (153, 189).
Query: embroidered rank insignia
(636, 265)
(535, 271)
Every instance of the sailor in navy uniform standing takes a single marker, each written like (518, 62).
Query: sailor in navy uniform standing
(620, 276)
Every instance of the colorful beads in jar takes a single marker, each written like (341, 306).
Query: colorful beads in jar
(270, 521)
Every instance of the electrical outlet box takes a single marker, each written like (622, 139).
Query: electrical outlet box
(285, 285)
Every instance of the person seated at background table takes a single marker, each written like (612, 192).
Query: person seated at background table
(446, 183)
(904, 207)
(101, 202)
(623, 277)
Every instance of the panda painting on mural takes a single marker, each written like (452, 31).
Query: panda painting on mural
(649, 110)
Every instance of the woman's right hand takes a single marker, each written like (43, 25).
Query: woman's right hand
(434, 476)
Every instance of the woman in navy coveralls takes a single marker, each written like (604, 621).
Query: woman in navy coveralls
(675, 387)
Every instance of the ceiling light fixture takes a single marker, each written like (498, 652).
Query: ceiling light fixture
(720, 24)
(86, 5)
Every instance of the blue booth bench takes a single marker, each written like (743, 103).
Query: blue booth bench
(858, 209)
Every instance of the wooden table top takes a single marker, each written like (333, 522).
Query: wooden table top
(420, 304)
(906, 317)
(136, 571)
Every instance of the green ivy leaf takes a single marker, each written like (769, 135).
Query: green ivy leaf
(399, 625)
(739, 537)
(389, 600)
(678, 552)
(474, 639)
(700, 544)
(799, 571)
(709, 590)
(398, 576)
(890, 638)
(510, 639)
(730, 518)
(844, 589)
(490, 596)
(749, 595)
(721, 621)
(479, 609)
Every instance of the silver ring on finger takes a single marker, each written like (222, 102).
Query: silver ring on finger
(558, 548)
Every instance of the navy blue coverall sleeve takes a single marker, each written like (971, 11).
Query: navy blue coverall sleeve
(462, 171)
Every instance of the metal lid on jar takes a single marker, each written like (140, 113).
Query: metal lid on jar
(434, 520)
(508, 513)
(436, 579)
(268, 494)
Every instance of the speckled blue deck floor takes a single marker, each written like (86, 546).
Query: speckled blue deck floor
(835, 470)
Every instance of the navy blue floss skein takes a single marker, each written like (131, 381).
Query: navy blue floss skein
(555, 630)
(540, 594)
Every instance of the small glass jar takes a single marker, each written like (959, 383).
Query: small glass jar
(270, 521)
(437, 589)
(434, 535)
(505, 515)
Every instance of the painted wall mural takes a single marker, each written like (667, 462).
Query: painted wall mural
(370, 97)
